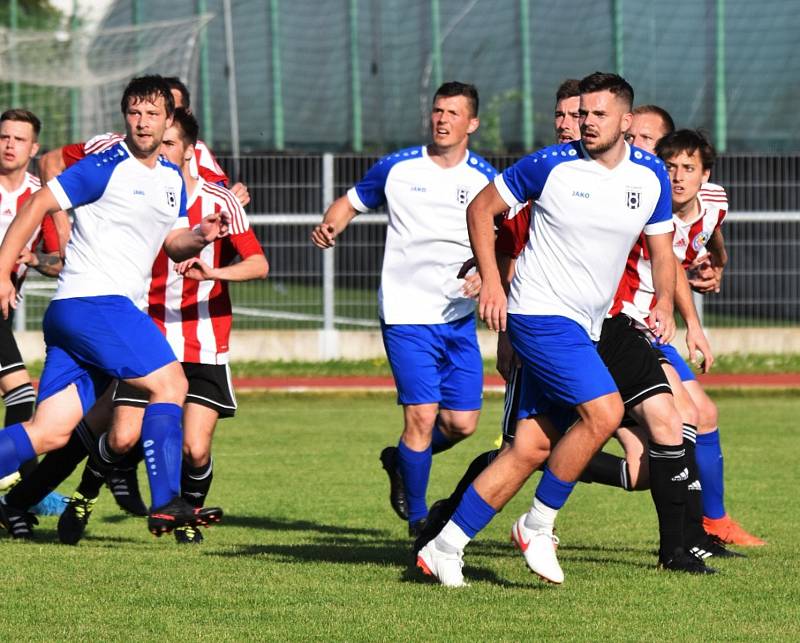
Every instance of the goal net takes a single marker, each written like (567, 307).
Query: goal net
(73, 80)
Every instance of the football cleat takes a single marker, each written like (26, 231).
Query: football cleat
(538, 547)
(713, 546)
(53, 504)
(397, 490)
(444, 567)
(124, 486)
(179, 513)
(440, 512)
(415, 528)
(188, 535)
(681, 561)
(731, 532)
(18, 523)
(73, 521)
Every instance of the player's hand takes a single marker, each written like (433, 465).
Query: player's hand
(704, 276)
(195, 268)
(241, 193)
(662, 324)
(507, 359)
(28, 258)
(8, 297)
(472, 285)
(492, 306)
(324, 236)
(697, 342)
(214, 226)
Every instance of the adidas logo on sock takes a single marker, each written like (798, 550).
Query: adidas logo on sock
(683, 476)
(695, 486)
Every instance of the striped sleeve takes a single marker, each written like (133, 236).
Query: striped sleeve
(228, 202)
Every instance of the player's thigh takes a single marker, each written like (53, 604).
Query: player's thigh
(661, 419)
(707, 414)
(55, 419)
(166, 384)
(683, 400)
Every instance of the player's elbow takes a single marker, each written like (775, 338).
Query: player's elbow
(262, 268)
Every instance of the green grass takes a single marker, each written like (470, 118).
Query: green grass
(310, 549)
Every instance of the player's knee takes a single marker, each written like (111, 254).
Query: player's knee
(605, 418)
(196, 453)
(122, 441)
(458, 428)
(708, 417)
(419, 420)
(171, 389)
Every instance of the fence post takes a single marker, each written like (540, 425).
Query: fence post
(329, 346)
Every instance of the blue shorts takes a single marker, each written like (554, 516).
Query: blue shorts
(673, 358)
(561, 367)
(92, 340)
(436, 363)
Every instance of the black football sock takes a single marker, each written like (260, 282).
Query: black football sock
(54, 468)
(669, 477)
(19, 403)
(475, 469)
(91, 482)
(695, 534)
(611, 470)
(196, 481)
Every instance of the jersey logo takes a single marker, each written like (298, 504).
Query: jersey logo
(7, 212)
(462, 194)
(700, 241)
(172, 198)
(634, 199)
(582, 195)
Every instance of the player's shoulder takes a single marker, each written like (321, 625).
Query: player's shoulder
(220, 194)
(713, 193)
(102, 142)
(552, 156)
(169, 167)
(34, 182)
(109, 157)
(401, 156)
(480, 164)
(649, 160)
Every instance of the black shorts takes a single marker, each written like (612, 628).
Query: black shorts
(210, 385)
(631, 360)
(10, 358)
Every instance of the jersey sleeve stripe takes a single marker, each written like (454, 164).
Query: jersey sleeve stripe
(238, 222)
(505, 193)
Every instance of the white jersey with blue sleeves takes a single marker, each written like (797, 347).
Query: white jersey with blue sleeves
(585, 221)
(123, 212)
(427, 239)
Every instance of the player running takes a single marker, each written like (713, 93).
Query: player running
(427, 313)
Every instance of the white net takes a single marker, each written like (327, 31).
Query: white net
(73, 80)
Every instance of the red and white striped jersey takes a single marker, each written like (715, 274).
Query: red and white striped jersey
(195, 316)
(10, 203)
(691, 237)
(636, 294)
(513, 231)
(203, 165)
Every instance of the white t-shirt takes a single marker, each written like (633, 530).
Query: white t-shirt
(427, 239)
(123, 212)
(585, 220)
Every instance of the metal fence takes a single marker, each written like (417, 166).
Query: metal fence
(336, 289)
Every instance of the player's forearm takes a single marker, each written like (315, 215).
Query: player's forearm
(716, 248)
(184, 244)
(51, 165)
(339, 214)
(506, 265)
(50, 265)
(683, 297)
(252, 267)
(480, 224)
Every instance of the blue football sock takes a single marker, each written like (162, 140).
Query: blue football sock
(439, 441)
(15, 448)
(552, 491)
(473, 513)
(415, 467)
(708, 454)
(162, 440)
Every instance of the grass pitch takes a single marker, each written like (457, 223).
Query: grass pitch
(309, 548)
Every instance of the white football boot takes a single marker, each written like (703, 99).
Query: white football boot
(538, 546)
(446, 568)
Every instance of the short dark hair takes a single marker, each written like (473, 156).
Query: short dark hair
(188, 124)
(689, 141)
(176, 83)
(568, 89)
(23, 116)
(669, 124)
(454, 88)
(614, 83)
(148, 88)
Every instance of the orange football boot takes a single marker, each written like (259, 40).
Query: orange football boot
(731, 532)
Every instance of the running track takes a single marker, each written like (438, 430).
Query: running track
(491, 382)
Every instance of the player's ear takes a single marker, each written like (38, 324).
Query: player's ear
(34, 149)
(474, 123)
(627, 119)
(189, 153)
(706, 175)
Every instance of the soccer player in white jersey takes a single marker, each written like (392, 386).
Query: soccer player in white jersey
(190, 304)
(592, 200)
(427, 313)
(128, 203)
(19, 133)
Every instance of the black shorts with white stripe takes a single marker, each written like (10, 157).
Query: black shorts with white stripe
(508, 423)
(210, 385)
